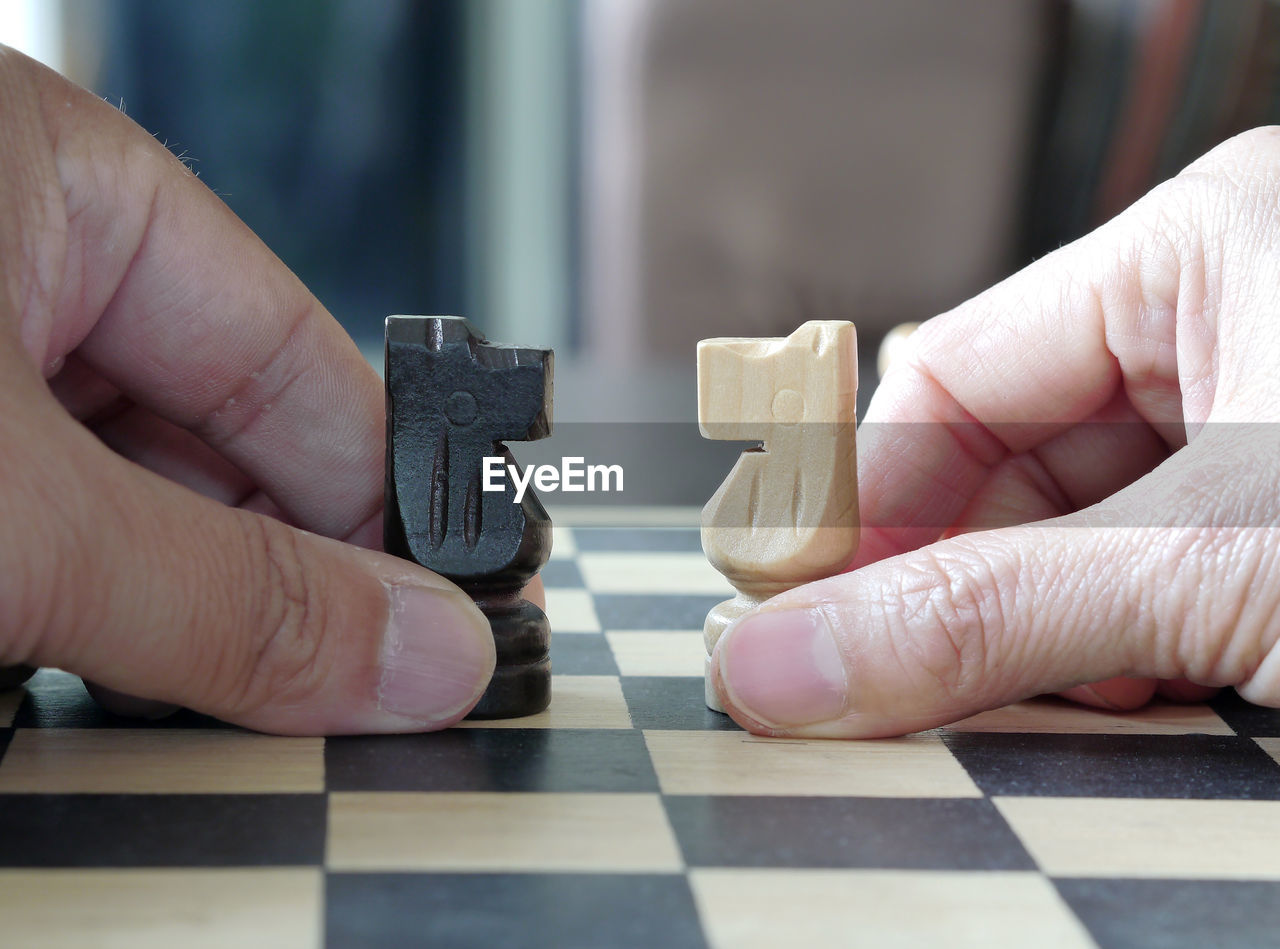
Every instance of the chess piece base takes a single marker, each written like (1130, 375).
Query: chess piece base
(708, 690)
(521, 683)
(718, 620)
(516, 691)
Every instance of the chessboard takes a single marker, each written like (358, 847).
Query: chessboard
(628, 815)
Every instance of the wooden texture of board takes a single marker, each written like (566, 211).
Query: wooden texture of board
(630, 815)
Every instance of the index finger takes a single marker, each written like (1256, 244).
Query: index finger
(1016, 367)
(171, 298)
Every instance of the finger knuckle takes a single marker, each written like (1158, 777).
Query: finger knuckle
(1214, 602)
(284, 655)
(953, 608)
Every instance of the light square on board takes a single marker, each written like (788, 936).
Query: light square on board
(192, 908)
(745, 909)
(1058, 716)
(155, 761)
(489, 832)
(571, 611)
(1145, 837)
(563, 546)
(733, 762)
(577, 701)
(658, 652)
(642, 572)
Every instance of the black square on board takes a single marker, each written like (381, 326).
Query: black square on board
(510, 911)
(675, 703)
(680, 540)
(161, 830)
(561, 573)
(618, 611)
(1169, 766)
(1176, 914)
(492, 759)
(882, 833)
(1255, 721)
(582, 654)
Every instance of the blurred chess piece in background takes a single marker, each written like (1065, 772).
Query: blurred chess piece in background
(893, 345)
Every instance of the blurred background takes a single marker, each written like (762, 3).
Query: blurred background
(620, 178)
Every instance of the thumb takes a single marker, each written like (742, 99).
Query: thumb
(148, 589)
(988, 618)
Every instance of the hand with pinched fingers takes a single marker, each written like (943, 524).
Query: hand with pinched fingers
(191, 453)
(1070, 483)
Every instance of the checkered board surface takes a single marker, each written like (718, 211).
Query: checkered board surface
(630, 816)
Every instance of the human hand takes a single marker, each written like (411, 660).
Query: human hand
(1117, 400)
(182, 427)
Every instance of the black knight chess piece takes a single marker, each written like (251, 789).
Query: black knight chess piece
(453, 398)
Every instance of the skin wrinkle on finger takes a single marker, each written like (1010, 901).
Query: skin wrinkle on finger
(958, 649)
(1146, 349)
(285, 657)
(1201, 627)
(1043, 479)
(1112, 447)
(1204, 585)
(961, 655)
(135, 433)
(1078, 468)
(176, 454)
(86, 396)
(937, 487)
(1013, 494)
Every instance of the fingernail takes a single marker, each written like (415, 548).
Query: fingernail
(437, 655)
(783, 668)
